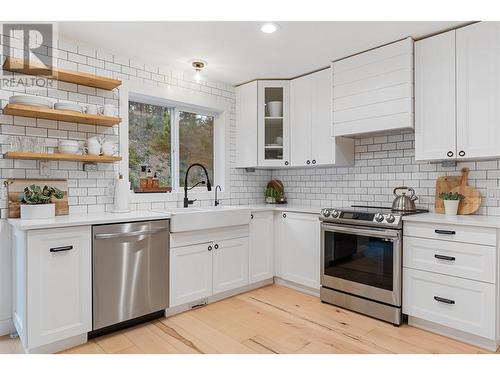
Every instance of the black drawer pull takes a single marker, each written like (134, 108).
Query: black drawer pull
(62, 248)
(440, 231)
(444, 300)
(209, 248)
(444, 257)
(216, 246)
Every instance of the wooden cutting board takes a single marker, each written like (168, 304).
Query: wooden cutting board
(444, 184)
(472, 200)
(15, 188)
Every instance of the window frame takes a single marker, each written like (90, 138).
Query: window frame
(179, 99)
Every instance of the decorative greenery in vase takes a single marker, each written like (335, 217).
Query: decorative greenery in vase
(451, 196)
(272, 195)
(34, 194)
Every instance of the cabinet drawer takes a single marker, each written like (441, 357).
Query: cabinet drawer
(457, 233)
(465, 260)
(457, 303)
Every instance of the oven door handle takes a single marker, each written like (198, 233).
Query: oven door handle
(374, 232)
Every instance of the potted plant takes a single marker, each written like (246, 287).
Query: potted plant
(451, 201)
(272, 195)
(36, 203)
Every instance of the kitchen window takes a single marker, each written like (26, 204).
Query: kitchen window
(166, 140)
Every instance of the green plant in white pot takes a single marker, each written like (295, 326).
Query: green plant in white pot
(36, 202)
(451, 202)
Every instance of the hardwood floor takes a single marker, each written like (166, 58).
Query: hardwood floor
(273, 319)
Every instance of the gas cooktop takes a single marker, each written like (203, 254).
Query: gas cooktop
(367, 215)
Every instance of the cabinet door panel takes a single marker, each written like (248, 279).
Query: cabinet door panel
(301, 108)
(190, 273)
(478, 90)
(323, 142)
(261, 249)
(246, 125)
(435, 124)
(300, 235)
(230, 264)
(59, 284)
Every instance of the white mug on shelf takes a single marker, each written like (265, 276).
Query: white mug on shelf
(93, 146)
(108, 110)
(91, 109)
(108, 148)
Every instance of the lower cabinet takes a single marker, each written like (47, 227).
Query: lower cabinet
(190, 273)
(300, 248)
(261, 246)
(55, 302)
(198, 271)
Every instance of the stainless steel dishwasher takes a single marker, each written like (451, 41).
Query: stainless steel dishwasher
(130, 272)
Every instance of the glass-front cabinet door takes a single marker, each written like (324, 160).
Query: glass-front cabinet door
(273, 123)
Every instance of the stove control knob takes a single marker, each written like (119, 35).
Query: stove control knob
(326, 212)
(391, 218)
(335, 213)
(379, 218)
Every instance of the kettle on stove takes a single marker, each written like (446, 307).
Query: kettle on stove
(404, 201)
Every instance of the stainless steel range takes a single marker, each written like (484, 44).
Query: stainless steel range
(361, 260)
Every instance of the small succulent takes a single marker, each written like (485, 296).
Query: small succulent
(34, 194)
(451, 196)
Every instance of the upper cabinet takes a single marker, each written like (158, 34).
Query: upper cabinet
(246, 124)
(457, 91)
(273, 123)
(373, 91)
(311, 136)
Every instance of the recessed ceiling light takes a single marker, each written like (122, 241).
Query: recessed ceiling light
(269, 28)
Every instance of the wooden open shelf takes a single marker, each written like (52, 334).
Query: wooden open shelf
(58, 115)
(15, 65)
(65, 157)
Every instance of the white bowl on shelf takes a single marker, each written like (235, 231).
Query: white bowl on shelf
(68, 146)
(35, 101)
(275, 109)
(62, 106)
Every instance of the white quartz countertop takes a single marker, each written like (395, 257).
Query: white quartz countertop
(469, 220)
(285, 207)
(73, 220)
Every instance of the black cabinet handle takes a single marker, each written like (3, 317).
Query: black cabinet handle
(314, 161)
(444, 257)
(449, 154)
(286, 162)
(284, 215)
(251, 216)
(461, 153)
(209, 248)
(308, 162)
(216, 246)
(444, 300)
(62, 248)
(440, 231)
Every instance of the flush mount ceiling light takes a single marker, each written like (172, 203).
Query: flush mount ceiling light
(198, 66)
(269, 28)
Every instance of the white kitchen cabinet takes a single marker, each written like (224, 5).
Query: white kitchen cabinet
(6, 326)
(52, 277)
(311, 135)
(457, 91)
(478, 90)
(246, 125)
(300, 248)
(435, 121)
(230, 264)
(273, 128)
(373, 90)
(261, 246)
(190, 273)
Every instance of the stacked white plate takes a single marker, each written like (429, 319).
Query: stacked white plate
(36, 101)
(68, 107)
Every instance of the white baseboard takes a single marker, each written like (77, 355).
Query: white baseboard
(468, 338)
(6, 327)
(58, 346)
(216, 297)
(299, 287)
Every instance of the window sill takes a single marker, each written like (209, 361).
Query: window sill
(175, 196)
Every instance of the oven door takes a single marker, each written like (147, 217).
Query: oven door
(362, 261)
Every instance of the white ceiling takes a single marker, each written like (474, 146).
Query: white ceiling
(237, 52)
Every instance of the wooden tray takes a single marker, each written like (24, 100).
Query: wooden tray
(472, 196)
(15, 188)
